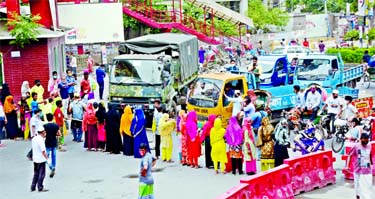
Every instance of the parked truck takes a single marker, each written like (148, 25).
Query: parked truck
(327, 71)
(279, 97)
(157, 66)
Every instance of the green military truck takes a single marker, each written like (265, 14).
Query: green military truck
(157, 66)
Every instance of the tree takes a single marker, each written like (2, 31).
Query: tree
(24, 29)
(263, 17)
(351, 35)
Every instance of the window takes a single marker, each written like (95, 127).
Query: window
(299, 50)
(278, 51)
(230, 88)
(1, 69)
(55, 59)
(291, 50)
(280, 66)
(335, 65)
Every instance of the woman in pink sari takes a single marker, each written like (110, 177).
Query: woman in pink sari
(234, 138)
(194, 142)
(206, 138)
(249, 148)
(184, 149)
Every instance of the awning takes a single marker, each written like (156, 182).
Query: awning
(223, 12)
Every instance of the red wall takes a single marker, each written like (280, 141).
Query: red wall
(32, 65)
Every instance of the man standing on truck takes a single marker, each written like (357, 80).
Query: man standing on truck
(256, 70)
(312, 104)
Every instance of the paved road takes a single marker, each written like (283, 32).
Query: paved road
(95, 175)
(98, 175)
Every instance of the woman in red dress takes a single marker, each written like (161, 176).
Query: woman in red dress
(194, 141)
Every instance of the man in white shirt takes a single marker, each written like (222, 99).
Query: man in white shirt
(73, 63)
(300, 100)
(39, 158)
(349, 111)
(35, 122)
(333, 106)
(312, 103)
(237, 102)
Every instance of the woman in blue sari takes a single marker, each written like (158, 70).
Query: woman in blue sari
(138, 129)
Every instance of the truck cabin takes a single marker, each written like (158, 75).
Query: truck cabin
(316, 68)
(208, 94)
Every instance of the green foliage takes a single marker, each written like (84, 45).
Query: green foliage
(351, 35)
(197, 13)
(371, 34)
(130, 23)
(262, 16)
(25, 29)
(351, 55)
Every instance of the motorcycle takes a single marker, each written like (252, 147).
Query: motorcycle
(308, 140)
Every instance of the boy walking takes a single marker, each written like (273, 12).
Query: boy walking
(59, 118)
(76, 108)
(146, 181)
(39, 158)
(52, 132)
(361, 153)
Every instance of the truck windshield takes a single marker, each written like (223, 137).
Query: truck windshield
(137, 71)
(205, 92)
(267, 66)
(313, 69)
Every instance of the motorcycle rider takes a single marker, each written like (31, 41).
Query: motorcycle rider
(312, 103)
(334, 107)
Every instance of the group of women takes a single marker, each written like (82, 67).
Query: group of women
(103, 129)
(232, 146)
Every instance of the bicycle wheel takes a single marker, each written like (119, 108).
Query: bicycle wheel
(366, 81)
(337, 143)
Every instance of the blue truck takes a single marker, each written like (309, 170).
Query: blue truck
(329, 72)
(278, 78)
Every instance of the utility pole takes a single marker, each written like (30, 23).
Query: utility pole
(327, 18)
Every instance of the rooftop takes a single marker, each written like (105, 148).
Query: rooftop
(44, 33)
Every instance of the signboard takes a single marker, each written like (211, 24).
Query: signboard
(364, 106)
(92, 23)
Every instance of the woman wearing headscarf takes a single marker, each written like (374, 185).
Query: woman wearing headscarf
(249, 148)
(5, 92)
(184, 149)
(112, 127)
(218, 152)
(206, 137)
(194, 142)
(165, 128)
(25, 88)
(89, 126)
(100, 116)
(126, 122)
(234, 138)
(10, 111)
(25, 116)
(266, 144)
(138, 129)
(281, 142)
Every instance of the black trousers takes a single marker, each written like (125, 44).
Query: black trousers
(39, 174)
(237, 163)
(207, 152)
(101, 89)
(157, 145)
